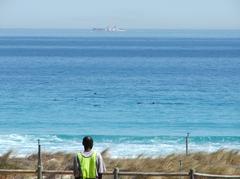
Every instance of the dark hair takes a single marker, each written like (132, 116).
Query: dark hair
(87, 142)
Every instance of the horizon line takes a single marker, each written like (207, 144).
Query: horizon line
(90, 28)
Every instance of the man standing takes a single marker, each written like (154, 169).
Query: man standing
(88, 164)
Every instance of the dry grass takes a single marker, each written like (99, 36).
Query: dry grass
(220, 162)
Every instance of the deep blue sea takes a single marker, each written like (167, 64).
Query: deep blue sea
(136, 92)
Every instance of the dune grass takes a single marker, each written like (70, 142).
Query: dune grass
(219, 162)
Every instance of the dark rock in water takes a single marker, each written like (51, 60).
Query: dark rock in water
(153, 103)
(139, 103)
(75, 99)
(96, 105)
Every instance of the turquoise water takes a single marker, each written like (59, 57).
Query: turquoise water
(142, 91)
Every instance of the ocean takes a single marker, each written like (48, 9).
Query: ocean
(137, 92)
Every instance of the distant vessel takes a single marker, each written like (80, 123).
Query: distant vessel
(109, 29)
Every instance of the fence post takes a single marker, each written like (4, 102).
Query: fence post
(39, 167)
(191, 174)
(187, 143)
(180, 167)
(115, 173)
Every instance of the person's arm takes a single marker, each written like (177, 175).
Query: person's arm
(99, 175)
(76, 167)
(100, 166)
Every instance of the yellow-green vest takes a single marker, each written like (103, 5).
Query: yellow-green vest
(88, 165)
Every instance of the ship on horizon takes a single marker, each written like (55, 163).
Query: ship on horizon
(109, 29)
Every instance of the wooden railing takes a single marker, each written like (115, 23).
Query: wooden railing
(117, 173)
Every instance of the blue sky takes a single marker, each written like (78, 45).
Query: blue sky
(159, 14)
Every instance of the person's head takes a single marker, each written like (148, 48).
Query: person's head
(87, 142)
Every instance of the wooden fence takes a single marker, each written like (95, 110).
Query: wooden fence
(116, 174)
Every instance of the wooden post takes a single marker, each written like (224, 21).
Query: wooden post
(191, 174)
(187, 143)
(39, 168)
(115, 173)
(180, 167)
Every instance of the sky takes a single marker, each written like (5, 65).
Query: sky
(155, 14)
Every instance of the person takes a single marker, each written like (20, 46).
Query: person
(88, 164)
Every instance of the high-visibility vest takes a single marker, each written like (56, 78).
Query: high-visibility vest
(88, 165)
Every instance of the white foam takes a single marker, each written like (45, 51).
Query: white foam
(23, 145)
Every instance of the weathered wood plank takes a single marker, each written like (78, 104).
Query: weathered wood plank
(8, 171)
(153, 174)
(217, 176)
(123, 173)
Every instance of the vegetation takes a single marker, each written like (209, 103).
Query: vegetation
(220, 162)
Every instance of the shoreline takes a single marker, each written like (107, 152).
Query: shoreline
(150, 146)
